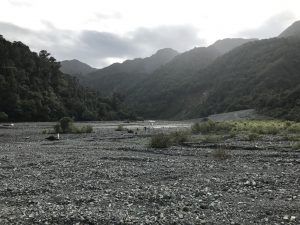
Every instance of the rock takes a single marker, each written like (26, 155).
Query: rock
(286, 217)
(293, 218)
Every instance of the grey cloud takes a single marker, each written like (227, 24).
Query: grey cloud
(271, 28)
(95, 47)
(180, 38)
(101, 16)
(20, 3)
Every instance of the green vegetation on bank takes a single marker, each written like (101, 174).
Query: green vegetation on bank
(250, 126)
(214, 132)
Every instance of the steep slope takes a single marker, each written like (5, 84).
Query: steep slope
(151, 96)
(264, 75)
(32, 88)
(120, 77)
(75, 67)
(293, 30)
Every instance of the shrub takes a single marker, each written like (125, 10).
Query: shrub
(204, 127)
(160, 140)
(3, 116)
(120, 128)
(195, 128)
(66, 125)
(179, 137)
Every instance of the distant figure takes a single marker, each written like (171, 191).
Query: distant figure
(145, 128)
(53, 138)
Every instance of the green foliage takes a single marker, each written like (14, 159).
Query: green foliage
(163, 140)
(179, 137)
(296, 146)
(252, 128)
(66, 125)
(203, 127)
(160, 140)
(32, 88)
(3, 117)
(263, 75)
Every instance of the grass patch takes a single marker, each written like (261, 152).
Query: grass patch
(270, 127)
(296, 146)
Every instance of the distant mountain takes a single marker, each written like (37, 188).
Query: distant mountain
(262, 74)
(75, 67)
(150, 97)
(226, 45)
(120, 77)
(293, 30)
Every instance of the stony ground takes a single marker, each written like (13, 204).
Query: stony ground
(110, 177)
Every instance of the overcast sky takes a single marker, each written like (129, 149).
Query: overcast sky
(100, 32)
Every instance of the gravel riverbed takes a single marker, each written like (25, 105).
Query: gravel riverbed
(111, 177)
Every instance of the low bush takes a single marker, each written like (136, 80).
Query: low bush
(120, 128)
(3, 117)
(179, 137)
(160, 140)
(203, 127)
(66, 125)
(163, 140)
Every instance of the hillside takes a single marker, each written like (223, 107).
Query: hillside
(151, 96)
(76, 68)
(293, 30)
(32, 88)
(262, 74)
(120, 77)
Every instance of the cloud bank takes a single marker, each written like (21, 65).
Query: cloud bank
(96, 48)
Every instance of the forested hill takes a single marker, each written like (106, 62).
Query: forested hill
(264, 75)
(120, 77)
(32, 88)
(76, 68)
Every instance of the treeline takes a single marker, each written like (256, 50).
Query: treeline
(32, 88)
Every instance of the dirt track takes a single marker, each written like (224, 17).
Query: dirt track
(111, 177)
